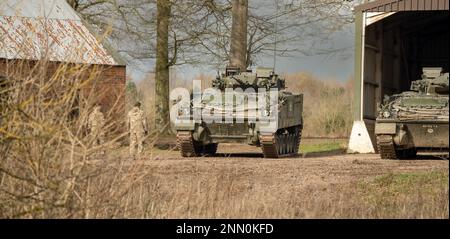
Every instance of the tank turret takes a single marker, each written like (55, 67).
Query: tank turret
(433, 82)
(261, 78)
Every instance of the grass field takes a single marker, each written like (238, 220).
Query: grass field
(406, 195)
(309, 146)
(241, 184)
(342, 186)
(244, 185)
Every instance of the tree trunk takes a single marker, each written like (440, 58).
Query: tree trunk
(238, 51)
(162, 114)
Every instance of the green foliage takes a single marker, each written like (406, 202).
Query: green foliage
(321, 147)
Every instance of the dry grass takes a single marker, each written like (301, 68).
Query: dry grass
(407, 195)
(327, 107)
(45, 148)
(225, 190)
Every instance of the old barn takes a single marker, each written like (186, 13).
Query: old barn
(50, 30)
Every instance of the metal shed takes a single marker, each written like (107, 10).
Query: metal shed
(394, 40)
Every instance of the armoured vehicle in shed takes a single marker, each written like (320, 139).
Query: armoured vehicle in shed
(415, 120)
(255, 109)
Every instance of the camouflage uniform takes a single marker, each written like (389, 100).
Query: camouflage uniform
(96, 122)
(137, 127)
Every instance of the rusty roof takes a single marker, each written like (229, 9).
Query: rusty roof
(403, 5)
(50, 29)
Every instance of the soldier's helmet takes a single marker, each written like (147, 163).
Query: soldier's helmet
(138, 104)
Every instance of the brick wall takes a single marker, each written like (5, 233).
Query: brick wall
(107, 86)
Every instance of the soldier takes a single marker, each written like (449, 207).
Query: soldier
(96, 122)
(137, 128)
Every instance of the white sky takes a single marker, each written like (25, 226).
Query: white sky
(337, 66)
(327, 67)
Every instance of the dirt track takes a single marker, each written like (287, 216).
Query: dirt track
(247, 163)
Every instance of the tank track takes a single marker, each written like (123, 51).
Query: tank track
(189, 148)
(281, 145)
(185, 144)
(386, 147)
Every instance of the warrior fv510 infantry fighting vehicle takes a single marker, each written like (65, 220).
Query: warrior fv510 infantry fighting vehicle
(273, 122)
(417, 119)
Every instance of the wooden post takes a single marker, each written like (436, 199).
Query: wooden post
(359, 65)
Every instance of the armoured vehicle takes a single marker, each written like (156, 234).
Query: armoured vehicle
(415, 120)
(278, 137)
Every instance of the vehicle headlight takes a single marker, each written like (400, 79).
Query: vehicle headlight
(266, 112)
(386, 114)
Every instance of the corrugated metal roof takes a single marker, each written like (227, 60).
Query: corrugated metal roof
(51, 9)
(403, 5)
(49, 29)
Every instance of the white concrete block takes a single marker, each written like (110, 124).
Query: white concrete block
(360, 141)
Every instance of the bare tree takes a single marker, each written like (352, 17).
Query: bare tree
(178, 27)
(162, 65)
(284, 28)
(199, 29)
(197, 32)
